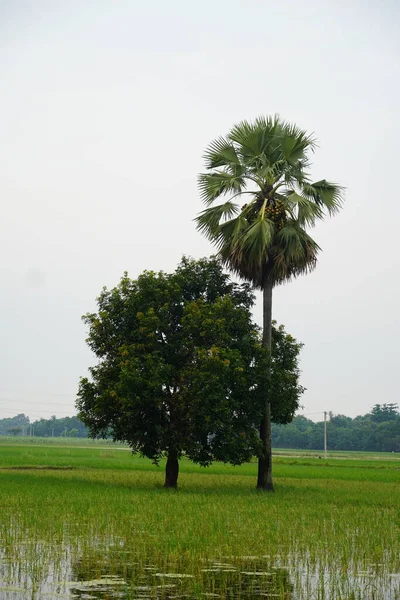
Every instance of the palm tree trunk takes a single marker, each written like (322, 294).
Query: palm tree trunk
(172, 470)
(264, 479)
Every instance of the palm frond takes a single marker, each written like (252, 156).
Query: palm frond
(306, 211)
(208, 221)
(257, 238)
(296, 174)
(295, 253)
(325, 193)
(231, 232)
(213, 185)
(295, 142)
(258, 143)
(238, 262)
(221, 153)
(268, 123)
(289, 238)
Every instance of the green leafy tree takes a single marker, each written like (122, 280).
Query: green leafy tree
(384, 412)
(17, 430)
(282, 381)
(19, 420)
(181, 367)
(265, 241)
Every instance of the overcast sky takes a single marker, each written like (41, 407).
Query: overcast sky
(105, 110)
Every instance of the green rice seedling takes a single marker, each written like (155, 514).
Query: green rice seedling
(88, 521)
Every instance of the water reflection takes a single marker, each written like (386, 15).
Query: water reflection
(32, 570)
(237, 579)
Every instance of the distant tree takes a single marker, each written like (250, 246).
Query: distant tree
(388, 434)
(340, 420)
(15, 430)
(344, 439)
(42, 427)
(180, 367)
(19, 420)
(384, 412)
(73, 432)
(302, 423)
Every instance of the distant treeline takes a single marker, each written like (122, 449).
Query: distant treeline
(377, 431)
(53, 427)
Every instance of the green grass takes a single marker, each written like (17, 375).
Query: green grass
(349, 454)
(113, 458)
(331, 529)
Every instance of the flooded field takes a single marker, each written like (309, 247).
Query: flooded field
(115, 576)
(99, 526)
(113, 573)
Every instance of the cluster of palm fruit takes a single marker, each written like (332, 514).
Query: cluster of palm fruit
(274, 211)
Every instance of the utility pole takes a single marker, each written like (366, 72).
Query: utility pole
(325, 444)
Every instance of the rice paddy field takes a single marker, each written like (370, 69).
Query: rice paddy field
(90, 521)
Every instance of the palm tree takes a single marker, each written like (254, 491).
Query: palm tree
(265, 240)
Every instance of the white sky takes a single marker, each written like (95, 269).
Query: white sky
(105, 110)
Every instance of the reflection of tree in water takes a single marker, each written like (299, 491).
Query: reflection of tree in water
(114, 576)
(247, 580)
(103, 575)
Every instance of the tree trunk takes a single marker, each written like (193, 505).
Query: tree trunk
(264, 479)
(172, 470)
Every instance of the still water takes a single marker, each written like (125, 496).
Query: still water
(109, 572)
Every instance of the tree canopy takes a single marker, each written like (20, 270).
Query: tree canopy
(264, 163)
(181, 365)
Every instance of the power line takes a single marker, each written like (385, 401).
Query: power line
(17, 412)
(35, 392)
(19, 401)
